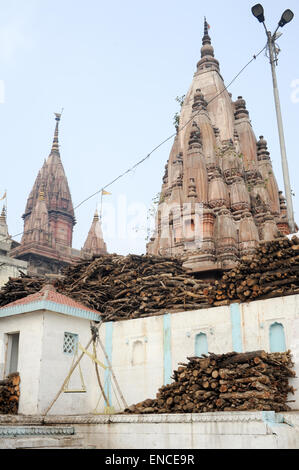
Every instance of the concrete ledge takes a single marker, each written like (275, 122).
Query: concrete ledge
(219, 430)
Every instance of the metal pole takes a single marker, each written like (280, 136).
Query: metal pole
(285, 169)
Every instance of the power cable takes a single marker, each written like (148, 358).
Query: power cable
(255, 56)
(172, 135)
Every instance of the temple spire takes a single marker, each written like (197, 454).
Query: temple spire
(4, 235)
(55, 145)
(94, 244)
(206, 38)
(207, 48)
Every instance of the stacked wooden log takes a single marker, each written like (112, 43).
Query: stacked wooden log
(234, 381)
(9, 394)
(18, 287)
(122, 287)
(273, 271)
(133, 286)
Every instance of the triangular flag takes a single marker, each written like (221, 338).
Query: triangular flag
(209, 27)
(3, 197)
(105, 193)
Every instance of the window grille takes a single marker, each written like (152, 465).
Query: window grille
(70, 343)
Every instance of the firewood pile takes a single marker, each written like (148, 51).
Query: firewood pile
(234, 381)
(18, 287)
(133, 286)
(271, 272)
(9, 394)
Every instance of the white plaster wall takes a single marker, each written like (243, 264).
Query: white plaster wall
(55, 366)
(214, 322)
(138, 382)
(258, 316)
(30, 327)
(138, 378)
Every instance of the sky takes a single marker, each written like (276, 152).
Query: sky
(116, 68)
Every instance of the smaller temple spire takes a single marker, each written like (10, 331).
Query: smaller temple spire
(94, 244)
(55, 145)
(96, 216)
(5, 239)
(3, 215)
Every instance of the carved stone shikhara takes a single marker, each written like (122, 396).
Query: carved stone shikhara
(49, 221)
(224, 172)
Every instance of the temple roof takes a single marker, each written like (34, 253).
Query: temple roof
(53, 180)
(219, 196)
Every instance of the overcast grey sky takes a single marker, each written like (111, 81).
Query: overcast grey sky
(116, 68)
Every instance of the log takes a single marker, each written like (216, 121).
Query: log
(199, 388)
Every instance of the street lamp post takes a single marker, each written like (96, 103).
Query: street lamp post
(258, 12)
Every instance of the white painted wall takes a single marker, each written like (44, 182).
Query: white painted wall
(55, 365)
(139, 382)
(214, 322)
(137, 358)
(43, 366)
(30, 327)
(258, 316)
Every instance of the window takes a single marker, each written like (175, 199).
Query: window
(201, 344)
(277, 338)
(12, 357)
(70, 343)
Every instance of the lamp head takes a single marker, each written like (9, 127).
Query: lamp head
(287, 16)
(258, 12)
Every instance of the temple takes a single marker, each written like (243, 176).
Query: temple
(49, 220)
(219, 196)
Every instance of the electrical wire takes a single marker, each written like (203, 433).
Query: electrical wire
(172, 135)
(255, 56)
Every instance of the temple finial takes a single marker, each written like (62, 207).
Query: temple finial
(207, 48)
(206, 38)
(206, 29)
(55, 145)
